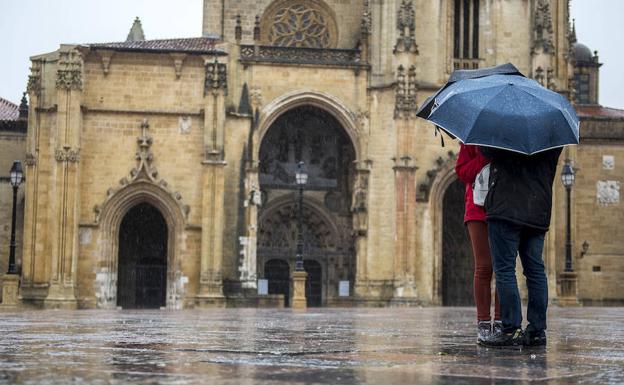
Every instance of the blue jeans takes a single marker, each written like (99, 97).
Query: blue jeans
(507, 240)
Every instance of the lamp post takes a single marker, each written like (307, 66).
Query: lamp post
(299, 276)
(16, 176)
(301, 176)
(568, 277)
(567, 177)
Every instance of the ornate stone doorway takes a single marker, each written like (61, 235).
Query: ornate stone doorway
(142, 270)
(314, 136)
(457, 258)
(277, 272)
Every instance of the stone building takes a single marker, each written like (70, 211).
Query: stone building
(161, 172)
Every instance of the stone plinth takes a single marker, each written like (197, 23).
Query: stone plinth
(10, 287)
(568, 281)
(299, 297)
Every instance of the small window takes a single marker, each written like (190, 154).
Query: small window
(596, 269)
(466, 33)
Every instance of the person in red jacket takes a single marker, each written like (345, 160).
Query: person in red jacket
(469, 163)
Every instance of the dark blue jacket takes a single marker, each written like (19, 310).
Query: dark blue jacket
(520, 186)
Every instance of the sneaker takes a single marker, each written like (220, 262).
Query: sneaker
(484, 330)
(534, 337)
(502, 339)
(497, 327)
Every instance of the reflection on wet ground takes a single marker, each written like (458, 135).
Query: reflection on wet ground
(320, 346)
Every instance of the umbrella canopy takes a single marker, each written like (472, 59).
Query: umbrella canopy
(503, 69)
(510, 112)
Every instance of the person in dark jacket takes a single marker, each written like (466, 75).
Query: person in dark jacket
(518, 206)
(469, 163)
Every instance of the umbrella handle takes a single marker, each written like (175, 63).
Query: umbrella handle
(437, 129)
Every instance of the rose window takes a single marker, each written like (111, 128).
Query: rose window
(299, 24)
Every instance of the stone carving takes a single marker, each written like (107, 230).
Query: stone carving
(406, 24)
(216, 77)
(608, 192)
(146, 172)
(278, 231)
(299, 23)
(34, 79)
(178, 60)
(69, 73)
(105, 56)
(405, 94)
(366, 22)
(543, 28)
(67, 154)
(31, 159)
(547, 81)
(359, 203)
(255, 94)
(422, 195)
(350, 57)
(185, 124)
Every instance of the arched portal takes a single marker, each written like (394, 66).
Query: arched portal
(457, 258)
(277, 272)
(314, 136)
(142, 270)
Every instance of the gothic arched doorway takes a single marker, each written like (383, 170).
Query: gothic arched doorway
(142, 270)
(277, 272)
(314, 136)
(457, 258)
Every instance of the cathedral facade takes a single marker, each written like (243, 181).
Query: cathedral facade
(161, 173)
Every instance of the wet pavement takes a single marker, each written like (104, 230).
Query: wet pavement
(393, 346)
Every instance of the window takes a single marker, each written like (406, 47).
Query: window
(466, 34)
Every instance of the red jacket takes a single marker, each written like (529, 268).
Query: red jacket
(469, 163)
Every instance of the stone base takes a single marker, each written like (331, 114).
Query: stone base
(61, 297)
(569, 296)
(10, 288)
(298, 300)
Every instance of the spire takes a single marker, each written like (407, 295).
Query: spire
(23, 107)
(136, 32)
(573, 36)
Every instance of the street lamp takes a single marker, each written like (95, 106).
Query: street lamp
(301, 177)
(16, 176)
(567, 177)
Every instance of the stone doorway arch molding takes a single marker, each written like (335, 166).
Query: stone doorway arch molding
(443, 175)
(324, 101)
(141, 186)
(354, 124)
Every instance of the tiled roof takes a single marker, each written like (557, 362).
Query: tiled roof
(8, 110)
(188, 45)
(598, 111)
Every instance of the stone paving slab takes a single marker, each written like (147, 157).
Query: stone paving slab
(392, 346)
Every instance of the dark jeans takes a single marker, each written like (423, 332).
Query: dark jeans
(507, 239)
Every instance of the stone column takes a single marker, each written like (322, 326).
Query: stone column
(359, 209)
(213, 187)
(404, 277)
(66, 176)
(30, 263)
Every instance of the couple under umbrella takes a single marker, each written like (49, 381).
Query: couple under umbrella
(511, 132)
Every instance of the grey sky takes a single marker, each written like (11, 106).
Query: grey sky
(30, 27)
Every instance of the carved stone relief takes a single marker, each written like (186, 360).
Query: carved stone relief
(406, 24)
(405, 93)
(608, 192)
(69, 73)
(543, 28)
(145, 171)
(216, 77)
(422, 195)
